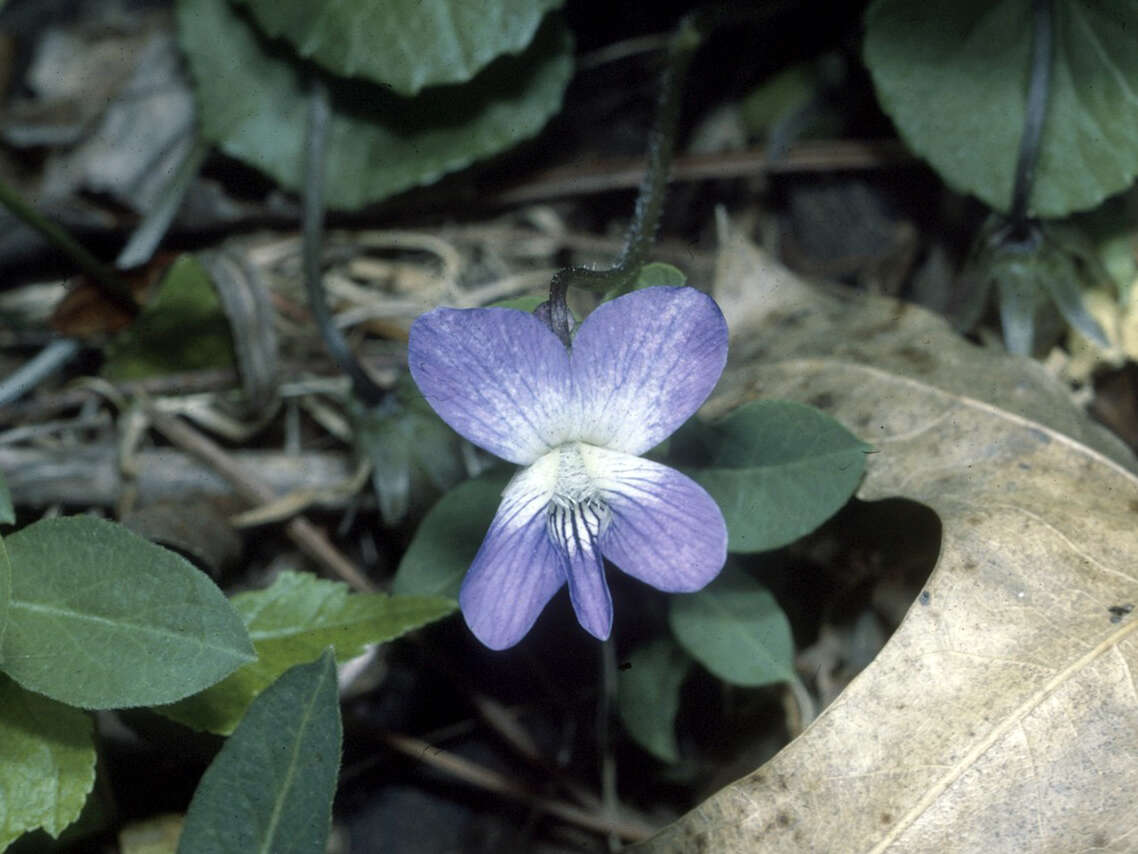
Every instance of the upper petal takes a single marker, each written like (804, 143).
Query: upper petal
(643, 364)
(498, 376)
(517, 569)
(665, 529)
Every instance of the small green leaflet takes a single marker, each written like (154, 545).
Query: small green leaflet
(735, 628)
(658, 274)
(7, 512)
(270, 788)
(182, 328)
(47, 762)
(527, 302)
(292, 621)
(100, 618)
(414, 455)
(5, 595)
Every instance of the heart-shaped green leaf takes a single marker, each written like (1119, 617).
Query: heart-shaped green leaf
(777, 469)
(648, 696)
(252, 100)
(953, 75)
(735, 628)
(404, 44)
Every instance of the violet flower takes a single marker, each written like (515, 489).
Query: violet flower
(578, 419)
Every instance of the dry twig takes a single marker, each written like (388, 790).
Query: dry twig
(500, 784)
(307, 536)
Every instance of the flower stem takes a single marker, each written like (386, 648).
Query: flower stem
(319, 117)
(650, 200)
(102, 275)
(605, 703)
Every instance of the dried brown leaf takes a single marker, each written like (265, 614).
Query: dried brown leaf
(1003, 713)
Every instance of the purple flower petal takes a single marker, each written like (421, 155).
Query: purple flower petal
(497, 376)
(517, 569)
(665, 529)
(644, 363)
(575, 530)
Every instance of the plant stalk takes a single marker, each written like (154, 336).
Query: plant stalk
(1038, 94)
(319, 117)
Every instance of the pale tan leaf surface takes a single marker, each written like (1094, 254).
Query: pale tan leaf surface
(1003, 714)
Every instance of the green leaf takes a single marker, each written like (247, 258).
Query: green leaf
(252, 102)
(7, 512)
(182, 328)
(777, 469)
(292, 621)
(648, 696)
(527, 302)
(5, 593)
(47, 762)
(659, 274)
(404, 44)
(449, 536)
(779, 97)
(1019, 296)
(1067, 295)
(953, 75)
(415, 456)
(100, 618)
(735, 629)
(270, 788)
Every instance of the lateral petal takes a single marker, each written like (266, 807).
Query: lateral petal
(497, 376)
(643, 363)
(518, 568)
(665, 529)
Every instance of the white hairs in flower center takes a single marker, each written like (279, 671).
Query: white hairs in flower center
(577, 513)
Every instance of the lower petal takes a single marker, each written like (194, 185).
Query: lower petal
(665, 529)
(575, 530)
(517, 569)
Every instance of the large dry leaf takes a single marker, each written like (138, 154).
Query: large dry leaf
(1002, 715)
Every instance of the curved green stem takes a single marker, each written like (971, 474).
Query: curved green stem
(1038, 93)
(319, 117)
(650, 200)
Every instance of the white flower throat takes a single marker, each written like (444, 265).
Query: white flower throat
(577, 513)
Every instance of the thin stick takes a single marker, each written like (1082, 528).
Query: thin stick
(50, 403)
(100, 273)
(307, 536)
(839, 155)
(45, 363)
(502, 722)
(493, 781)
